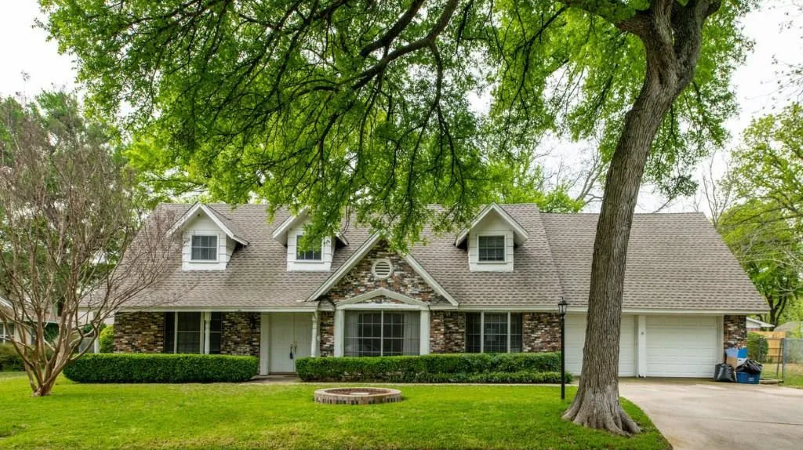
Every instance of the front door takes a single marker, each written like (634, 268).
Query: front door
(290, 339)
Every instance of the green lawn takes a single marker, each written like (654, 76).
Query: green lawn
(285, 417)
(793, 376)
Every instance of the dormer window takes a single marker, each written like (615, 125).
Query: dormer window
(306, 252)
(491, 248)
(204, 248)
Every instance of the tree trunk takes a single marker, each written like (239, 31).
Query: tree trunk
(597, 402)
(672, 37)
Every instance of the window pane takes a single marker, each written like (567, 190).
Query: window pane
(188, 333)
(204, 248)
(515, 333)
(170, 332)
(378, 334)
(473, 331)
(491, 248)
(495, 338)
(304, 252)
(215, 331)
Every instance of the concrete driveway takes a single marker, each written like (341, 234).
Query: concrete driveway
(708, 415)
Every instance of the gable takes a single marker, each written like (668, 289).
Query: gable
(369, 275)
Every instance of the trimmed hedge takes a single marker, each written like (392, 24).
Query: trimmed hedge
(9, 358)
(445, 368)
(161, 368)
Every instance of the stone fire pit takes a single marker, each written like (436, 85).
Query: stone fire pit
(357, 396)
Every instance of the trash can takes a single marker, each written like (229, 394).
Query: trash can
(749, 372)
(747, 378)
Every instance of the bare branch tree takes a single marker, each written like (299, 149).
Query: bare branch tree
(68, 215)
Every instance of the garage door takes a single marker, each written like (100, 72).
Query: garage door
(679, 346)
(575, 340)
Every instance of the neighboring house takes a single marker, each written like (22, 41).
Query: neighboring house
(757, 325)
(8, 330)
(243, 286)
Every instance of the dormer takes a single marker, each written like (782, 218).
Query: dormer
(491, 239)
(304, 256)
(209, 238)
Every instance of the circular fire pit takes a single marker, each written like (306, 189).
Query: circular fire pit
(357, 396)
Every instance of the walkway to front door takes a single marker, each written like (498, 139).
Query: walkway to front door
(289, 338)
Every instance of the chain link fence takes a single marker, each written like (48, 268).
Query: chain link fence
(782, 358)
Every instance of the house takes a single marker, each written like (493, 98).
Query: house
(244, 286)
(9, 331)
(758, 325)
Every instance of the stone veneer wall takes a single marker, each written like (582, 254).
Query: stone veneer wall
(447, 332)
(404, 280)
(240, 334)
(139, 332)
(735, 331)
(541, 332)
(326, 332)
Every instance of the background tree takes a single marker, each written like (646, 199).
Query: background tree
(769, 165)
(329, 104)
(771, 251)
(67, 217)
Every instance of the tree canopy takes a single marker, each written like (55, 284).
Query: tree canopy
(374, 105)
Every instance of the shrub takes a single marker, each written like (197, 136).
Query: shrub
(161, 368)
(450, 368)
(9, 358)
(106, 339)
(757, 347)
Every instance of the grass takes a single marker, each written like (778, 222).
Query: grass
(793, 376)
(197, 416)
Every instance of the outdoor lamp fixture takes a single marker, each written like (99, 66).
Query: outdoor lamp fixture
(562, 307)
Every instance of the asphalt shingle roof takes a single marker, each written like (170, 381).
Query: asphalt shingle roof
(676, 261)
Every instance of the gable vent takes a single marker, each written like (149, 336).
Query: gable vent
(382, 269)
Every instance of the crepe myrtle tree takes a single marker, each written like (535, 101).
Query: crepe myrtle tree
(364, 105)
(68, 216)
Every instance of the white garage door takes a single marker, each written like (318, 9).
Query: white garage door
(679, 346)
(575, 340)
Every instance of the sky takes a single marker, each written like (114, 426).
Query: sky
(25, 49)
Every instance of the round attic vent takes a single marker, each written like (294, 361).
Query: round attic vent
(382, 269)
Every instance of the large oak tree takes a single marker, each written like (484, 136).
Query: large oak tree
(377, 107)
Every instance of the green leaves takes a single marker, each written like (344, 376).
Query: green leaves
(381, 107)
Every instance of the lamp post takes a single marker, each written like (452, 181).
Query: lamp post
(562, 307)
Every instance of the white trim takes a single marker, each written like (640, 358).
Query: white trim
(760, 323)
(380, 306)
(316, 339)
(340, 335)
(423, 327)
(518, 229)
(206, 329)
(381, 292)
(634, 311)
(428, 278)
(264, 344)
(641, 346)
(280, 234)
(191, 212)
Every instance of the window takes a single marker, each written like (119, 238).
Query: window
(306, 252)
(185, 332)
(491, 248)
(204, 248)
(188, 332)
(215, 331)
(493, 333)
(6, 332)
(382, 333)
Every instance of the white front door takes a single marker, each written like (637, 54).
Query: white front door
(290, 339)
(576, 338)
